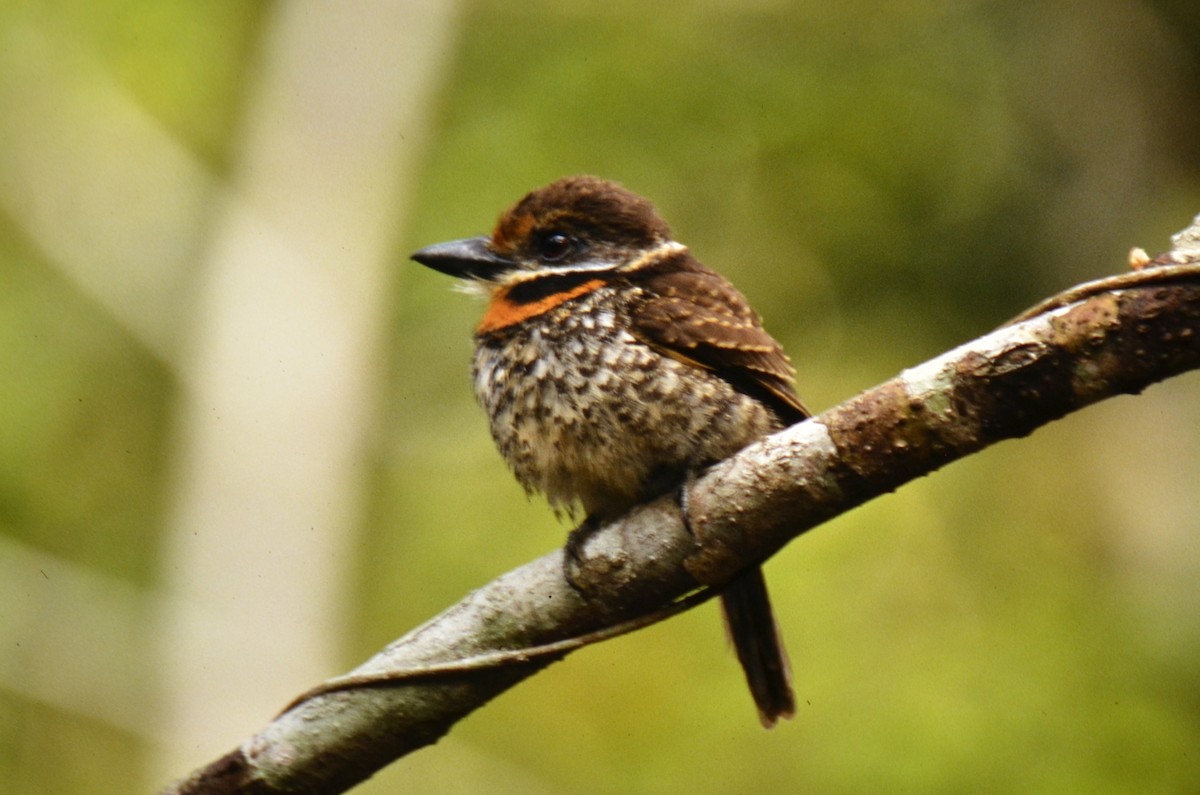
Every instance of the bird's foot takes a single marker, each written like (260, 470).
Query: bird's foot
(684, 500)
(573, 551)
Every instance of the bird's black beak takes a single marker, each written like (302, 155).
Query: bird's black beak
(465, 259)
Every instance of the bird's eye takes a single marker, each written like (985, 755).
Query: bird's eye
(555, 246)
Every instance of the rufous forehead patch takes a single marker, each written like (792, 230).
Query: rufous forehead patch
(511, 230)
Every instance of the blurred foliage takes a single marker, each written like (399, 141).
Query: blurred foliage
(83, 424)
(883, 181)
(187, 63)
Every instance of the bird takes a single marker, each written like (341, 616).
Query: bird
(613, 367)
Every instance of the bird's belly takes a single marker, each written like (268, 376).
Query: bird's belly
(602, 420)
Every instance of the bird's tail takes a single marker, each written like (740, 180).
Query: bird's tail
(759, 647)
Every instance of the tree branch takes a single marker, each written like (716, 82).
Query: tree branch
(1107, 338)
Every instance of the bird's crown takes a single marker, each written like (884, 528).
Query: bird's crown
(577, 218)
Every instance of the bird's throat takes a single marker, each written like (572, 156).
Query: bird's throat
(515, 303)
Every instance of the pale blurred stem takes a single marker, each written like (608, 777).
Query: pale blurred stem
(1102, 340)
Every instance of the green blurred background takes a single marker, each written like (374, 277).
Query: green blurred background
(239, 450)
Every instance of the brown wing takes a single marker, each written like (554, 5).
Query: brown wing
(693, 314)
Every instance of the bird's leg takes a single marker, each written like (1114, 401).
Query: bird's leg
(660, 483)
(682, 496)
(573, 550)
(578, 536)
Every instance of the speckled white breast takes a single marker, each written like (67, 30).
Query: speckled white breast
(585, 413)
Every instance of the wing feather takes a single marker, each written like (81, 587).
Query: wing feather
(695, 315)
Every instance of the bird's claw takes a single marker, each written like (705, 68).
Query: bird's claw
(573, 552)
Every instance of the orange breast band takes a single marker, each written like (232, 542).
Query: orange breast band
(503, 311)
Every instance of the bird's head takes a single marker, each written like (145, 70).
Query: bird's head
(575, 225)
